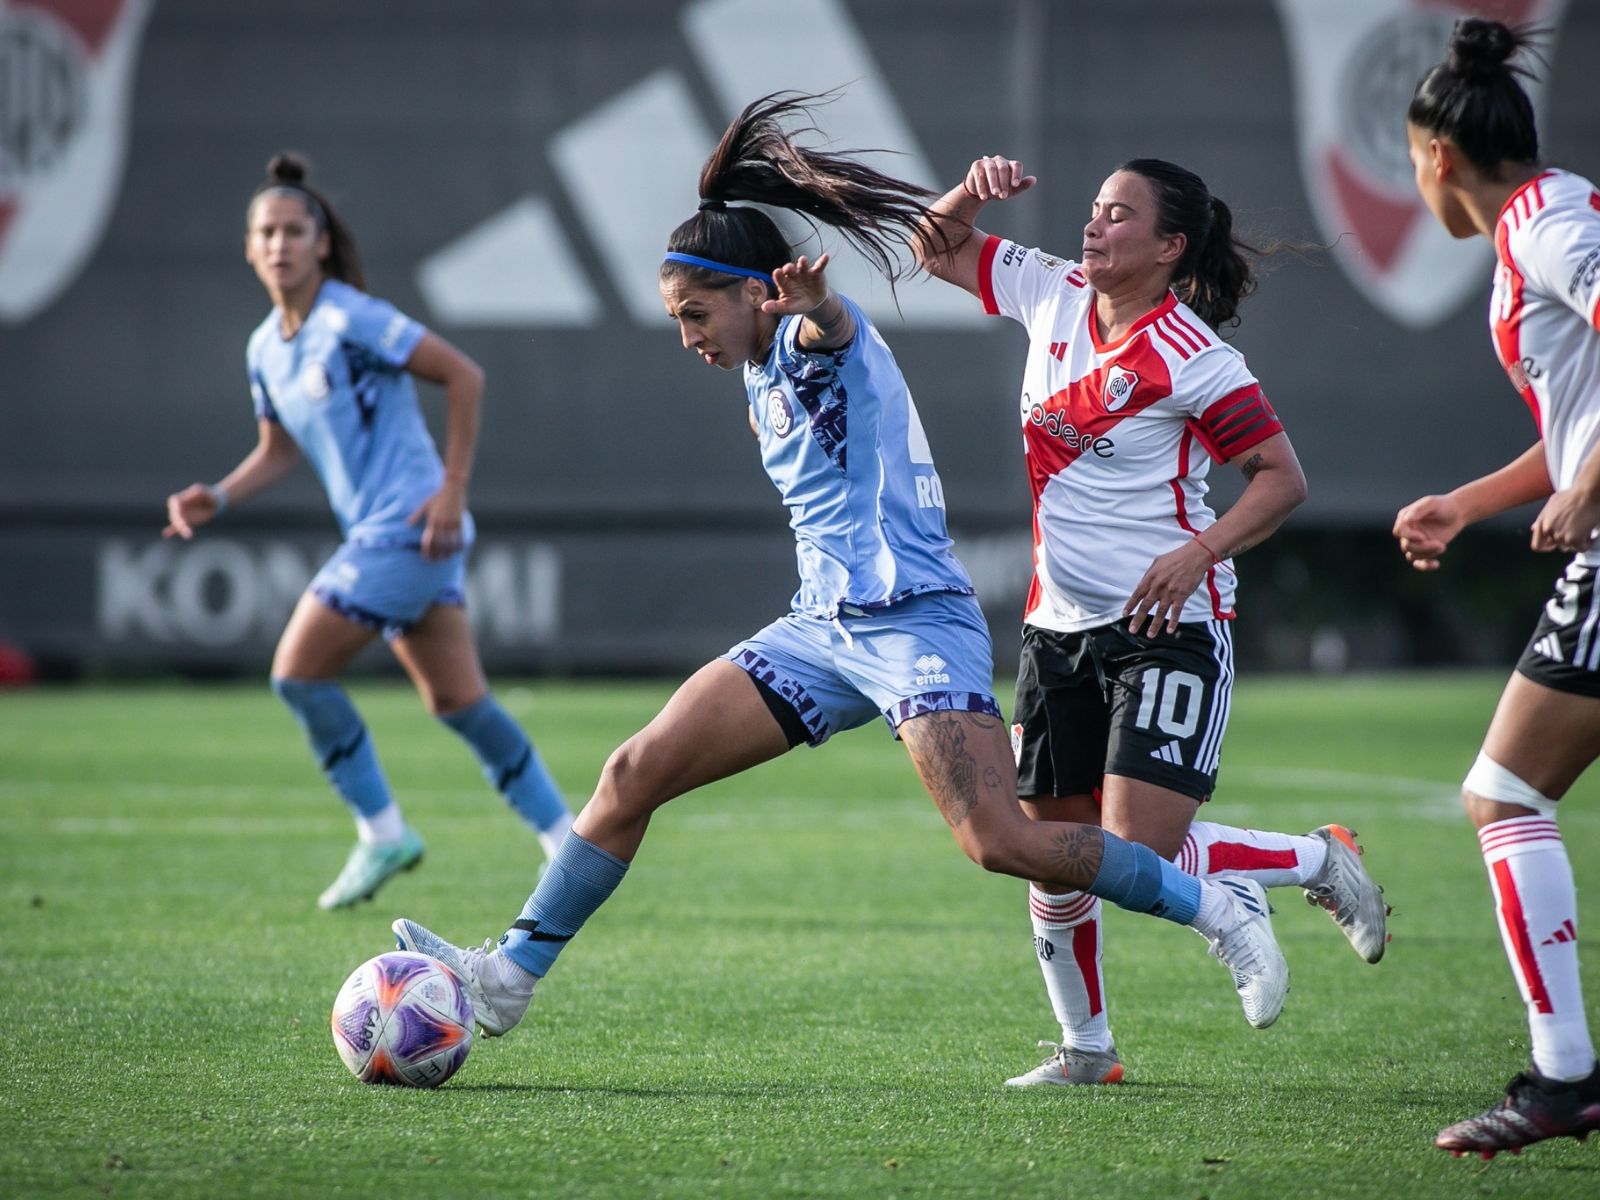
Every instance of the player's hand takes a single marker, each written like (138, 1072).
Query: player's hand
(189, 509)
(1425, 527)
(1567, 522)
(441, 515)
(1159, 597)
(996, 178)
(802, 285)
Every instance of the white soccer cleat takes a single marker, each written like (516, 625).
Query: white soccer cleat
(1067, 1066)
(1352, 899)
(1250, 951)
(496, 1006)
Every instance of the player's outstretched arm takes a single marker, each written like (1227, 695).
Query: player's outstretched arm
(949, 245)
(1426, 527)
(274, 454)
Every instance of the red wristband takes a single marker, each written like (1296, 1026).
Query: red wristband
(1215, 561)
(969, 191)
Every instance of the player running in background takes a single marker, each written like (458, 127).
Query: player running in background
(884, 624)
(1475, 148)
(1127, 660)
(331, 372)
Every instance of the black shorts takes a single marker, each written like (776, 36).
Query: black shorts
(1564, 651)
(1106, 701)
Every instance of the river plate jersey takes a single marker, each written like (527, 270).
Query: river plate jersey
(1119, 438)
(1545, 312)
(842, 442)
(340, 390)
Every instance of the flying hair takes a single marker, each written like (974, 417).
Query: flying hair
(759, 161)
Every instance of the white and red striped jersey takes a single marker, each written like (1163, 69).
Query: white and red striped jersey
(1119, 437)
(1545, 313)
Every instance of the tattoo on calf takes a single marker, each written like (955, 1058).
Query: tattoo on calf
(1077, 850)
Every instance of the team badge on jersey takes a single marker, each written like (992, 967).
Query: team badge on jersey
(779, 415)
(1118, 390)
(1355, 66)
(315, 383)
(67, 70)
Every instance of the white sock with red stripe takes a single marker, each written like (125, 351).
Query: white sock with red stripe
(1271, 859)
(1066, 937)
(1537, 907)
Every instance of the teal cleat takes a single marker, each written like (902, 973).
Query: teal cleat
(369, 867)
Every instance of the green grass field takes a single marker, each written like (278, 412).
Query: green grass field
(802, 989)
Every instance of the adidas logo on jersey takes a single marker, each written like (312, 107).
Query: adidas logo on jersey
(1058, 351)
(931, 669)
(1550, 646)
(1170, 753)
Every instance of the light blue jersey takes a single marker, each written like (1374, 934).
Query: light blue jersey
(339, 389)
(841, 439)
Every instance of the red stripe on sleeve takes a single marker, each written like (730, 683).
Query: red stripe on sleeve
(1171, 341)
(1205, 439)
(1195, 333)
(1247, 406)
(985, 276)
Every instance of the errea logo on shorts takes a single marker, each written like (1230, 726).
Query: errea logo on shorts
(931, 669)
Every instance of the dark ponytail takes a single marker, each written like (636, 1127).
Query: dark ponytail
(286, 174)
(758, 161)
(1213, 275)
(1474, 99)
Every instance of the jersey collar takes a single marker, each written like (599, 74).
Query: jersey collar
(1155, 314)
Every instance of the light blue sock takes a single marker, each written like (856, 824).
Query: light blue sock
(1135, 877)
(577, 881)
(339, 739)
(509, 761)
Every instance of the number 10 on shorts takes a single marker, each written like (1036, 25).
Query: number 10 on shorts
(1170, 699)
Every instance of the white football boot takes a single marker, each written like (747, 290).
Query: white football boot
(1344, 888)
(497, 1005)
(1068, 1066)
(1250, 951)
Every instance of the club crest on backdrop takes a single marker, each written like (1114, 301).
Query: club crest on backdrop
(1356, 64)
(67, 66)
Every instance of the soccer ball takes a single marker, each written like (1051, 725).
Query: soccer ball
(403, 1018)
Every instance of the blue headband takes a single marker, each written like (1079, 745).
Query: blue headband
(712, 265)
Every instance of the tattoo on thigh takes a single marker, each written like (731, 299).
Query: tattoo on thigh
(949, 769)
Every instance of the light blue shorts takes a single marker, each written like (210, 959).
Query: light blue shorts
(389, 588)
(927, 653)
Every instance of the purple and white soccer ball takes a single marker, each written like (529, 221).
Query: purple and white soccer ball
(403, 1018)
